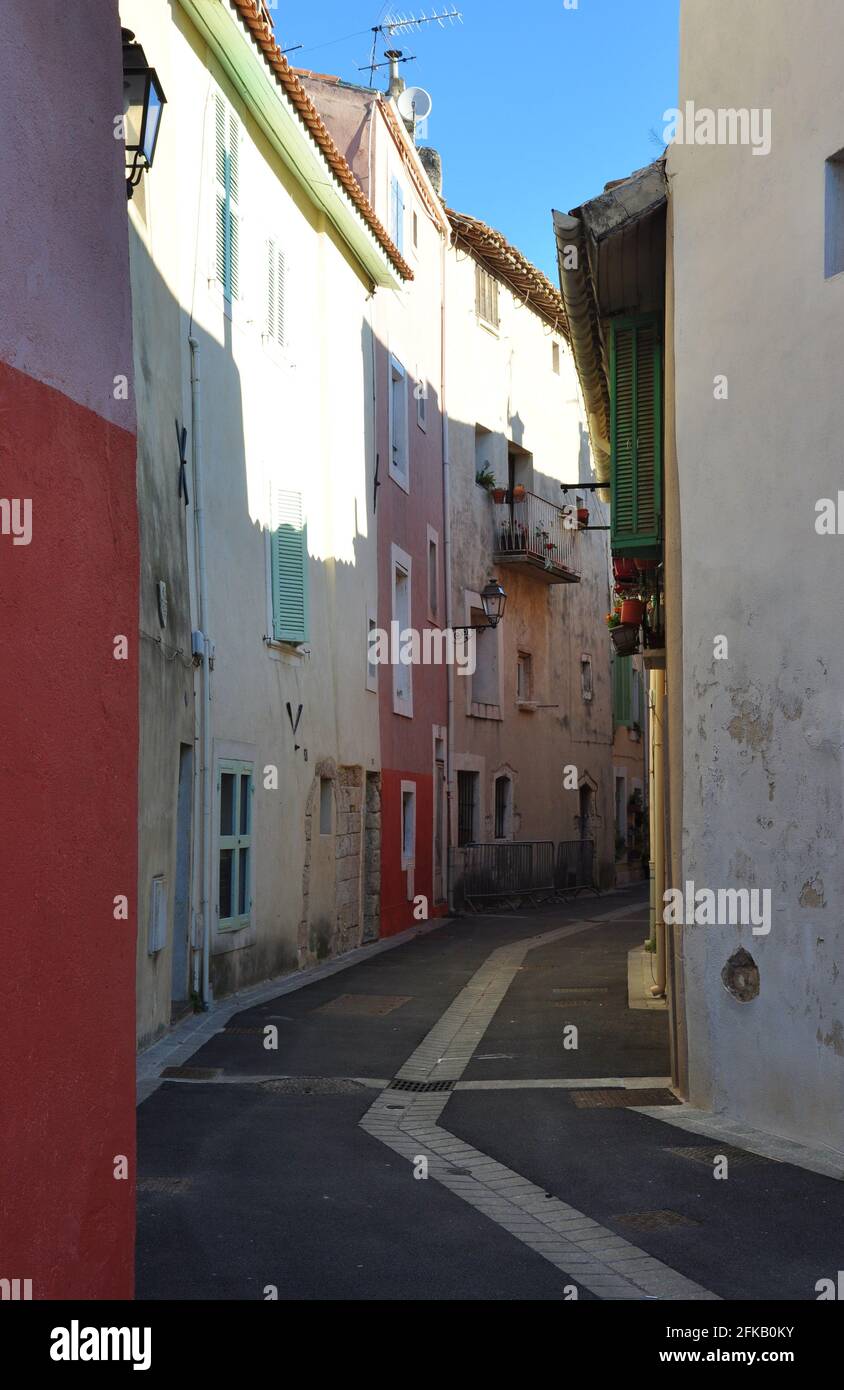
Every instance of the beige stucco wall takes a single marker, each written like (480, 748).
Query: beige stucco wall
(505, 383)
(763, 735)
(297, 418)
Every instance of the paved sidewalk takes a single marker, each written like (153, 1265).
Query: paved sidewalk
(297, 1169)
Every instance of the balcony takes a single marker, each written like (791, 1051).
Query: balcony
(532, 533)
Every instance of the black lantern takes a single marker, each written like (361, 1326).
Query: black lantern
(143, 102)
(493, 599)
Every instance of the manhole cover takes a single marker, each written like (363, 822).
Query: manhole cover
(192, 1073)
(168, 1186)
(364, 1005)
(708, 1153)
(653, 1220)
(313, 1086)
(421, 1085)
(586, 1100)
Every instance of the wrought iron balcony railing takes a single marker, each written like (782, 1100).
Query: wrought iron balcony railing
(536, 533)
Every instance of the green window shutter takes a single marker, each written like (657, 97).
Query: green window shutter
(227, 163)
(289, 568)
(622, 691)
(636, 434)
(276, 293)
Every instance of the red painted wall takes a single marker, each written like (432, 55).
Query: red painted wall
(68, 709)
(68, 787)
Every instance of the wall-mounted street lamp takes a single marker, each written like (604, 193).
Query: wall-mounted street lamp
(143, 102)
(493, 601)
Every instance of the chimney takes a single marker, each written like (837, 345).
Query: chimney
(396, 86)
(432, 164)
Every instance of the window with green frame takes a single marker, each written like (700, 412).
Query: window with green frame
(622, 691)
(636, 436)
(235, 789)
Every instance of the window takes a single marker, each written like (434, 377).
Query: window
(524, 682)
(467, 807)
(402, 673)
(157, 932)
(289, 567)
(234, 877)
(485, 682)
(227, 163)
(622, 691)
(555, 358)
(636, 437)
(371, 664)
(399, 467)
(433, 574)
(586, 677)
(636, 698)
(415, 231)
(503, 798)
(486, 296)
(408, 824)
(397, 213)
(276, 291)
(620, 815)
(834, 219)
(326, 806)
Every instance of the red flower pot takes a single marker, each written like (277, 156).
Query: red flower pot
(583, 516)
(518, 493)
(499, 494)
(632, 611)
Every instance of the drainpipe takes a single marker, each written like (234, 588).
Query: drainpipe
(208, 648)
(658, 849)
(449, 616)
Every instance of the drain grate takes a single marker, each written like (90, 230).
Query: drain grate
(243, 1032)
(653, 1220)
(707, 1153)
(192, 1073)
(421, 1085)
(364, 1005)
(621, 1097)
(169, 1187)
(313, 1086)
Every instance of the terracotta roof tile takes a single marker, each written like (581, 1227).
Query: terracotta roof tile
(256, 19)
(525, 280)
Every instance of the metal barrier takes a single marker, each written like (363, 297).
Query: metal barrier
(510, 871)
(575, 866)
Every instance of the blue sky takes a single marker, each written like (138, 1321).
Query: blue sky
(535, 105)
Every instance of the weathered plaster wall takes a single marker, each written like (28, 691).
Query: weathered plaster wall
(297, 418)
(762, 804)
(68, 708)
(505, 383)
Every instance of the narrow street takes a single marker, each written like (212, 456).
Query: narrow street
(293, 1170)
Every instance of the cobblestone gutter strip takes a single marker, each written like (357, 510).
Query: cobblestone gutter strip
(590, 1254)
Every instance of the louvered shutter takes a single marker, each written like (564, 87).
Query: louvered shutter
(289, 568)
(276, 293)
(636, 434)
(227, 163)
(622, 690)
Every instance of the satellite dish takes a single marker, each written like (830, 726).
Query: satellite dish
(415, 104)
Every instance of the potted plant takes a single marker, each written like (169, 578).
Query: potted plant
(485, 478)
(499, 495)
(583, 517)
(518, 493)
(632, 611)
(614, 617)
(625, 639)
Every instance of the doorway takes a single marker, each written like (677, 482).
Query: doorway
(180, 989)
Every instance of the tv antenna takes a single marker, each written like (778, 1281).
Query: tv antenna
(408, 24)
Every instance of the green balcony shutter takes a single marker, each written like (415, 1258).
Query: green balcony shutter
(289, 568)
(622, 691)
(636, 435)
(227, 137)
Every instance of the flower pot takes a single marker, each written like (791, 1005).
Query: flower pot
(518, 493)
(499, 494)
(625, 639)
(632, 611)
(583, 516)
